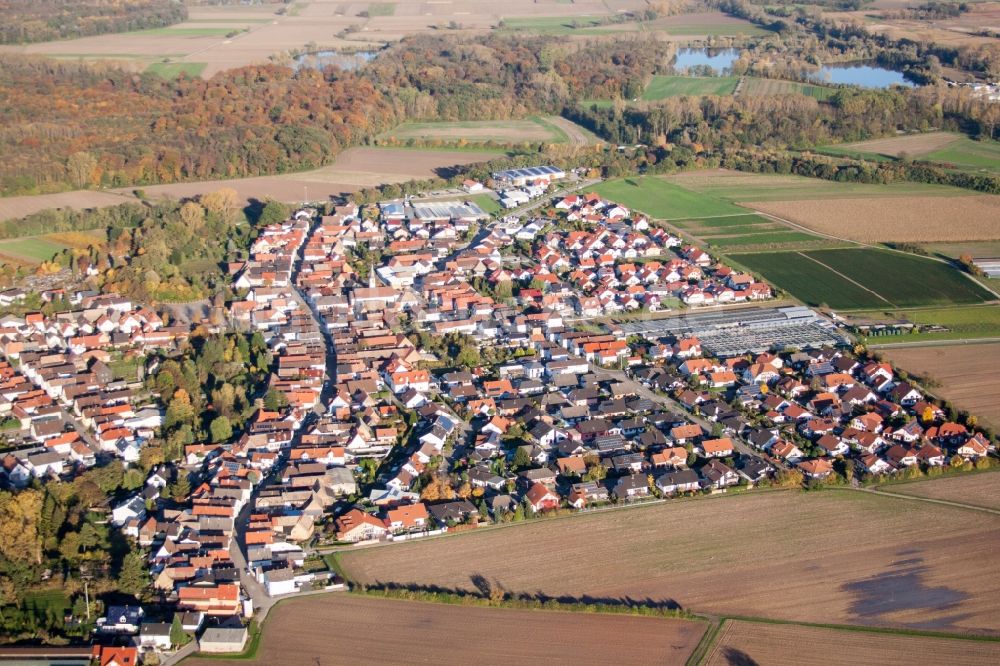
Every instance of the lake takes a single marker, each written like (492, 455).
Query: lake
(719, 60)
(321, 59)
(861, 74)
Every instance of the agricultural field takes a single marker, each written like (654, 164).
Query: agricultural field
(537, 129)
(353, 169)
(979, 489)
(743, 643)
(757, 87)
(948, 148)
(700, 24)
(963, 323)
(744, 231)
(738, 186)
(298, 631)
(967, 375)
(16, 207)
(779, 555)
(36, 249)
(913, 219)
(858, 278)
(665, 201)
(171, 70)
(661, 86)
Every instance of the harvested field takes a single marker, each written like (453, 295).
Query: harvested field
(747, 643)
(981, 489)
(914, 145)
(969, 375)
(353, 169)
(910, 219)
(14, 207)
(812, 557)
(338, 629)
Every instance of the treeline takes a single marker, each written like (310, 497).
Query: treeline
(78, 126)
(789, 121)
(23, 21)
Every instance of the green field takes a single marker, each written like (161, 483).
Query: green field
(663, 200)
(536, 129)
(976, 321)
(864, 278)
(661, 87)
(764, 238)
(382, 9)
(712, 29)
(487, 203)
(754, 87)
(969, 154)
(34, 249)
(171, 70)
(739, 186)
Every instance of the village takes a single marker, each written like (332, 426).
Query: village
(434, 369)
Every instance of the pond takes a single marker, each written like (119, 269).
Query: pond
(321, 59)
(719, 60)
(866, 75)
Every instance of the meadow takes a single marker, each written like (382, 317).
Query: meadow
(835, 557)
(754, 86)
(745, 231)
(962, 322)
(661, 86)
(665, 201)
(171, 70)
(550, 129)
(946, 148)
(859, 278)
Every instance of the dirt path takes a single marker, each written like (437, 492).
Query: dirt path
(575, 133)
(836, 272)
(917, 498)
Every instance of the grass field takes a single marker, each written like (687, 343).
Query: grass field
(980, 489)
(969, 154)
(382, 9)
(969, 375)
(754, 87)
(836, 556)
(740, 186)
(858, 278)
(662, 200)
(476, 131)
(171, 70)
(487, 202)
(661, 87)
(35, 249)
(744, 231)
(298, 631)
(948, 148)
(742, 643)
(768, 238)
(970, 322)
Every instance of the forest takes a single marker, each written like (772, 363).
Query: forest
(23, 21)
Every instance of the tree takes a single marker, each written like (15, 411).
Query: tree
(275, 400)
(193, 215)
(179, 411)
(181, 488)
(19, 519)
(133, 479)
(177, 634)
(274, 212)
(80, 166)
(221, 429)
(223, 204)
(522, 458)
(150, 457)
(133, 577)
